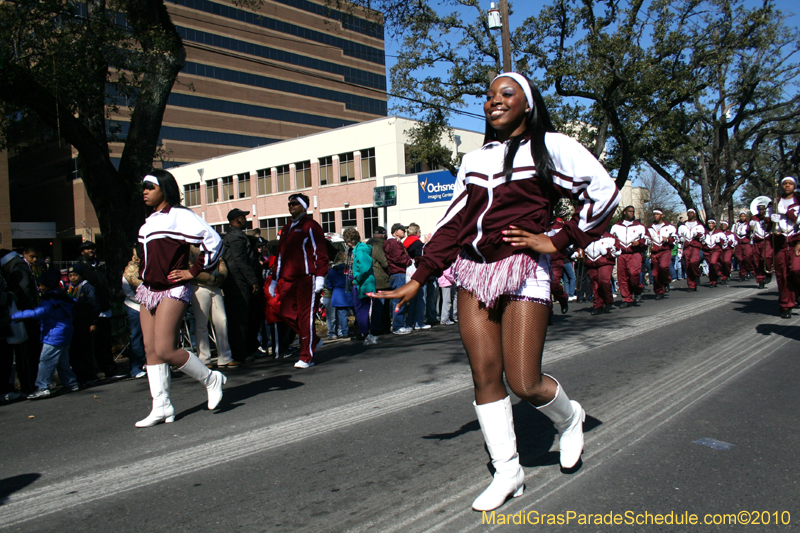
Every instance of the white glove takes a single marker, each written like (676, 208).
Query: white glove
(319, 283)
(273, 287)
(775, 217)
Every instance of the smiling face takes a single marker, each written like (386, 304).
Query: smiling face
(506, 108)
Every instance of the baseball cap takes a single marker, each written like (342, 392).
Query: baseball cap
(397, 226)
(236, 213)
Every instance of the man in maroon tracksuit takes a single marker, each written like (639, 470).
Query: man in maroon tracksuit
(661, 236)
(631, 235)
(744, 248)
(301, 268)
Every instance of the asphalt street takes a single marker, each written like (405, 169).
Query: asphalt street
(691, 412)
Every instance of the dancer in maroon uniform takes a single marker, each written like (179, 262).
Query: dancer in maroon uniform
(300, 276)
(692, 234)
(493, 234)
(744, 246)
(165, 292)
(728, 245)
(599, 259)
(762, 245)
(661, 235)
(632, 237)
(712, 248)
(786, 246)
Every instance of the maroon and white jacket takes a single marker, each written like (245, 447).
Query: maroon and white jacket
(692, 234)
(715, 240)
(627, 232)
(602, 252)
(164, 241)
(730, 240)
(742, 230)
(484, 205)
(302, 250)
(661, 237)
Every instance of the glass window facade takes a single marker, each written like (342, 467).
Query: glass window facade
(329, 222)
(264, 177)
(326, 170)
(271, 226)
(284, 179)
(227, 189)
(303, 174)
(191, 194)
(212, 192)
(349, 219)
(347, 167)
(244, 185)
(368, 167)
(370, 222)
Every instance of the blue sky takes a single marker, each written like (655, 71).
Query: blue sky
(524, 9)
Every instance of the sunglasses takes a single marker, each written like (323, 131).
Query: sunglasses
(292, 204)
(149, 185)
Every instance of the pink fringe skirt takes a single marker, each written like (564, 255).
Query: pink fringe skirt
(518, 277)
(150, 298)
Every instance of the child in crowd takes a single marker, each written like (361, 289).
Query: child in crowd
(55, 314)
(341, 296)
(84, 323)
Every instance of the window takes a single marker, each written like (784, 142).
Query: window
(222, 229)
(303, 174)
(347, 167)
(349, 219)
(368, 169)
(419, 166)
(329, 222)
(370, 221)
(244, 185)
(271, 226)
(284, 180)
(264, 177)
(191, 194)
(325, 170)
(212, 192)
(227, 188)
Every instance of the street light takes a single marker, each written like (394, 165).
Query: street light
(498, 19)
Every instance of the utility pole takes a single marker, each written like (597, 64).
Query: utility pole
(506, 36)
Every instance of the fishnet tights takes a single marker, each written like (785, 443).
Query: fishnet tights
(510, 337)
(160, 330)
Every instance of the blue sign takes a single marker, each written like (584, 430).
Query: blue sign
(436, 186)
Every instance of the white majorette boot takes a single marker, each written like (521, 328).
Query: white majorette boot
(497, 426)
(212, 379)
(158, 376)
(568, 417)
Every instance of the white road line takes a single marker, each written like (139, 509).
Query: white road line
(626, 420)
(37, 502)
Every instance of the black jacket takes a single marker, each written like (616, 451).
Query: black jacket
(238, 255)
(97, 276)
(21, 283)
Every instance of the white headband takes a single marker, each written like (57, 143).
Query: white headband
(790, 179)
(712, 220)
(526, 87)
(657, 211)
(692, 210)
(151, 179)
(721, 222)
(301, 202)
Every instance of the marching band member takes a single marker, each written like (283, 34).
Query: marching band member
(762, 247)
(744, 247)
(692, 234)
(786, 244)
(713, 250)
(728, 245)
(661, 237)
(632, 238)
(599, 259)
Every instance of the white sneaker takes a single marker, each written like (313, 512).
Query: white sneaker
(402, 331)
(572, 298)
(424, 326)
(303, 364)
(370, 339)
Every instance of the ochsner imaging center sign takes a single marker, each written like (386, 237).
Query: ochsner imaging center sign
(436, 186)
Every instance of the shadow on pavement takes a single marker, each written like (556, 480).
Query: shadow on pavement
(232, 396)
(10, 485)
(790, 332)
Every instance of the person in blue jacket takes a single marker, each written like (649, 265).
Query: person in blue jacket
(341, 296)
(55, 314)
